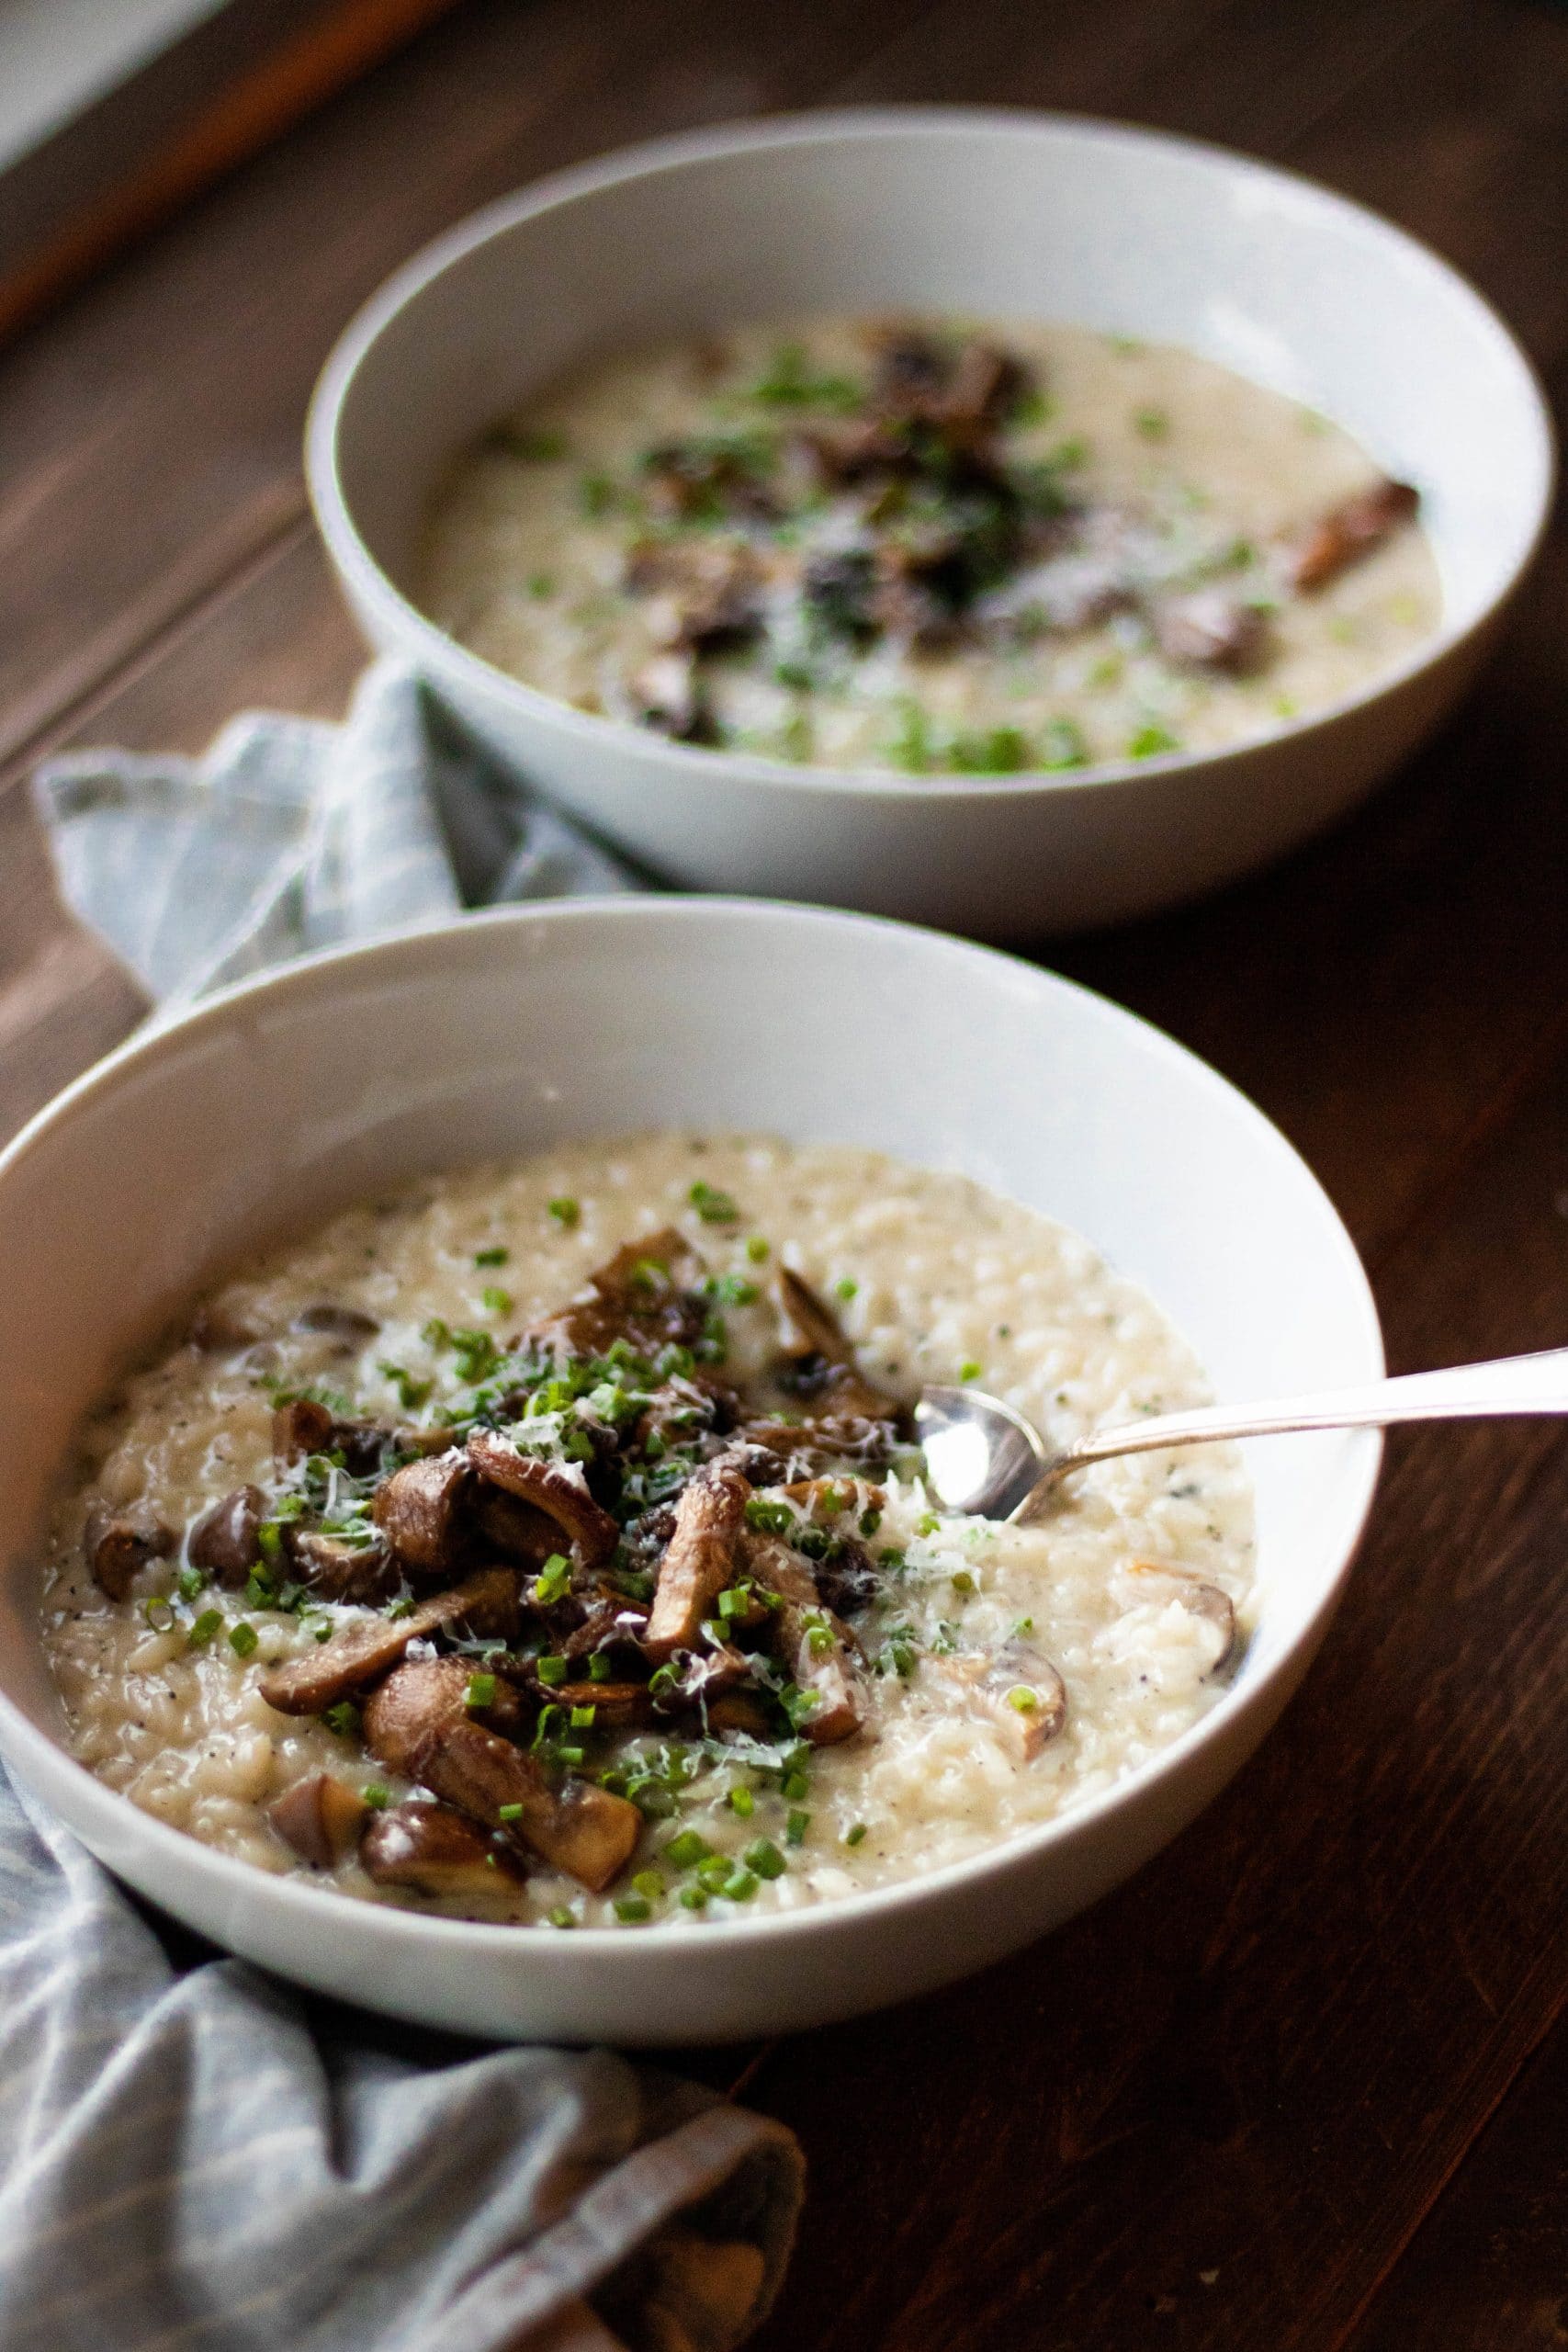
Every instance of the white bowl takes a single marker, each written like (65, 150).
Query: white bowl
(1038, 216)
(286, 1098)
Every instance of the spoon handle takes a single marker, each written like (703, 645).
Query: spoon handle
(1536, 1383)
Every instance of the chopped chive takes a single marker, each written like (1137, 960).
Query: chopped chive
(963, 1581)
(1149, 742)
(243, 1638)
(494, 1300)
(563, 1916)
(768, 1519)
(734, 1290)
(738, 1887)
(569, 1755)
(480, 1692)
(190, 1582)
(847, 1289)
(435, 1333)
(927, 1524)
(736, 1601)
(509, 1813)
(551, 1671)
(756, 1249)
(796, 1828)
(158, 1613)
(376, 1795)
(712, 1205)
(411, 1392)
(763, 1857)
(491, 1256)
(870, 1521)
(650, 1884)
(1024, 1699)
(565, 1210)
(713, 1872)
(969, 1369)
(683, 1853)
(598, 1668)
(553, 1581)
(742, 1802)
(203, 1628)
(582, 1718)
(630, 1908)
(793, 1785)
(853, 1836)
(693, 1898)
(1152, 424)
(342, 1719)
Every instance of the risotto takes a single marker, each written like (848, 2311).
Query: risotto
(911, 545)
(548, 1544)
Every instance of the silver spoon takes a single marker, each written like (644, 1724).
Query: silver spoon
(985, 1458)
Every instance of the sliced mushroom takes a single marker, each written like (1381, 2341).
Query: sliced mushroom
(516, 1529)
(486, 1603)
(417, 1509)
(1211, 630)
(339, 1322)
(821, 1363)
(303, 1427)
(1348, 532)
(702, 590)
(961, 389)
(320, 1817)
(812, 1642)
(700, 1559)
(418, 1722)
(666, 694)
(612, 1702)
(695, 479)
(216, 1330)
(433, 1850)
(224, 1540)
(1200, 1598)
(810, 1444)
(591, 1532)
(119, 1543)
(335, 1569)
(643, 1294)
(1016, 1689)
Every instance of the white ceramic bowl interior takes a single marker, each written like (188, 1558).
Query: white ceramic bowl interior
(1033, 216)
(285, 1099)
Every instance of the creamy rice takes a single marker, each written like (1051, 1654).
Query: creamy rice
(935, 1278)
(1213, 484)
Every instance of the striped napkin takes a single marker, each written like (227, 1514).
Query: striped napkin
(195, 2160)
(289, 834)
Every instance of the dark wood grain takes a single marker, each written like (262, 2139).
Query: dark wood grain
(1300, 2085)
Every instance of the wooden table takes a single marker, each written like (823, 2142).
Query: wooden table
(1303, 2082)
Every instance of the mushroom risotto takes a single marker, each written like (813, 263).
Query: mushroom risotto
(913, 546)
(548, 1543)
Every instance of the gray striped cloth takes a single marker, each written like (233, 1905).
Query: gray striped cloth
(191, 2159)
(290, 834)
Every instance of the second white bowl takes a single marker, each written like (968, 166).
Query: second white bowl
(1035, 215)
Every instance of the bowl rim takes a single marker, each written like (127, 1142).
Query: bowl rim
(438, 650)
(27, 1742)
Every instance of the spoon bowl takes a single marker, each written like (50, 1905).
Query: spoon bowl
(985, 1458)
